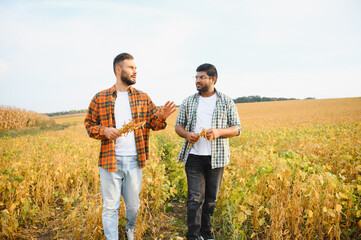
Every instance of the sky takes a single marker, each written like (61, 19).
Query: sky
(56, 55)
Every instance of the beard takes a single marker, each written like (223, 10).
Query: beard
(127, 80)
(203, 88)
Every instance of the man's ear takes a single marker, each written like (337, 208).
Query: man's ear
(118, 69)
(214, 79)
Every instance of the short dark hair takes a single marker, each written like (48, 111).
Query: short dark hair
(121, 57)
(209, 69)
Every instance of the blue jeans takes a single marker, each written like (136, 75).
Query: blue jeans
(126, 182)
(203, 187)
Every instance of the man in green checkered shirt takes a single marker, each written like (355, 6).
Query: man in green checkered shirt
(206, 121)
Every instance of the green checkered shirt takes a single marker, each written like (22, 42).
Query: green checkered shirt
(224, 115)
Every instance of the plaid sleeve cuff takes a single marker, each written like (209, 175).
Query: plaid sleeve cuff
(162, 120)
(101, 132)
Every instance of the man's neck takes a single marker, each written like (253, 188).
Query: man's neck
(121, 86)
(209, 93)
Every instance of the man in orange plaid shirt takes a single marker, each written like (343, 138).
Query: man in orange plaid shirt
(122, 158)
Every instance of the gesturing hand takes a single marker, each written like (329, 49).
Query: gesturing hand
(166, 110)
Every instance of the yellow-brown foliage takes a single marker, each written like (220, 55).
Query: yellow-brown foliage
(11, 118)
(295, 173)
(290, 114)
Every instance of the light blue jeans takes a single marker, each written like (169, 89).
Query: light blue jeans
(126, 182)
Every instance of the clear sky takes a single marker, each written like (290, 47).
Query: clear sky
(55, 55)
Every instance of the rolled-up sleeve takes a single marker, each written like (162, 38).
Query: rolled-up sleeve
(233, 117)
(182, 116)
(92, 123)
(156, 123)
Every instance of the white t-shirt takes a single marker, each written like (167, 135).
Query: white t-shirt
(124, 146)
(205, 110)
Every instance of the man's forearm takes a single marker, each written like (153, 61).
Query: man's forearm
(181, 131)
(95, 131)
(222, 132)
(228, 132)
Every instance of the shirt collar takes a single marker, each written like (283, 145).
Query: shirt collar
(131, 90)
(215, 92)
(114, 90)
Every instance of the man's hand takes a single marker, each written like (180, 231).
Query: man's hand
(166, 110)
(212, 134)
(192, 137)
(111, 133)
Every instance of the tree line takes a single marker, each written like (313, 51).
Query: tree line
(66, 112)
(257, 98)
(247, 99)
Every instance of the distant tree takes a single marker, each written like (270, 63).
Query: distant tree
(66, 112)
(259, 99)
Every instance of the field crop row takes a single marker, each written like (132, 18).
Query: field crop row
(298, 180)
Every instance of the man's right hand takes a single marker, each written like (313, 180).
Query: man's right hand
(111, 133)
(192, 137)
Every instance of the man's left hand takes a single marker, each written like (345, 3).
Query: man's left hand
(166, 110)
(212, 134)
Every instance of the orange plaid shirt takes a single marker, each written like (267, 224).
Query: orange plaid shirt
(101, 115)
